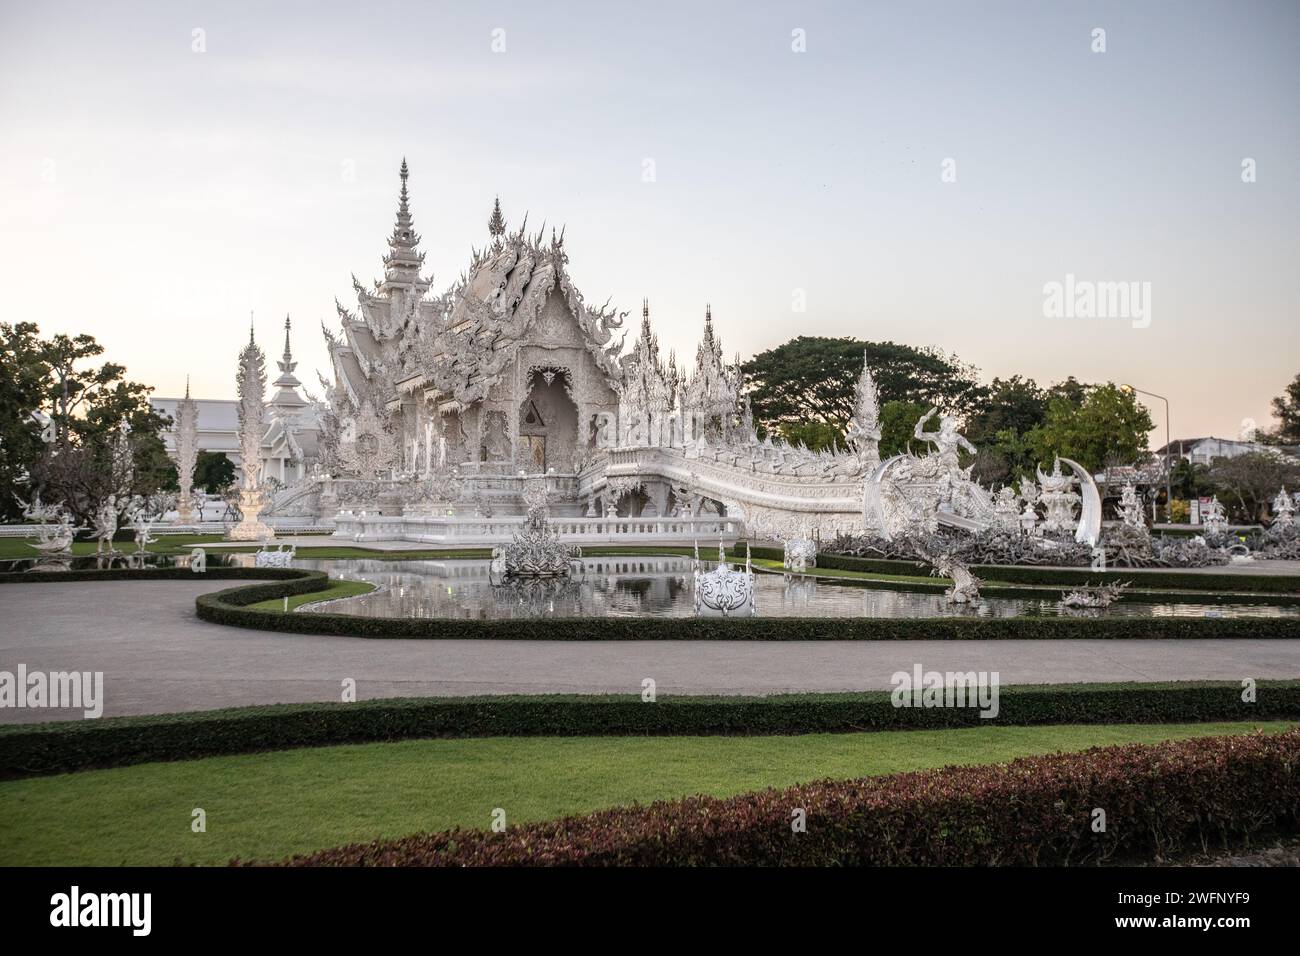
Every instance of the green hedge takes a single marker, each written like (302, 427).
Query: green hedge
(65, 746)
(230, 607)
(1159, 800)
(1170, 579)
(290, 580)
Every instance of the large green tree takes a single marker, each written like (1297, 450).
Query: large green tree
(213, 472)
(813, 378)
(1287, 409)
(85, 416)
(22, 378)
(1108, 425)
(1013, 403)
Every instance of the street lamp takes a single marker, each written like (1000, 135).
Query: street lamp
(1169, 484)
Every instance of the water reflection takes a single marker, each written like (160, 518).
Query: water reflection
(647, 586)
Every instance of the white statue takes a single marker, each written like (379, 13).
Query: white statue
(1214, 518)
(1059, 498)
(1006, 509)
(106, 525)
(1283, 510)
(800, 554)
(281, 557)
(1130, 508)
(723, 592)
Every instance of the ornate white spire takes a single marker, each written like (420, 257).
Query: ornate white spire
(287, 385)
(403, 262)
(187, 451)
(251, 386)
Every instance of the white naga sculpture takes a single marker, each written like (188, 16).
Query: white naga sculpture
(965, 586)
(724, 591)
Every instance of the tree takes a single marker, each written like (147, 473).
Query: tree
(1287, 409)
(812, 378)
(1248, 483)
(1108, 425)
(1014, 403)
(898, 427)
(213, 472)
(815, 435)
(99, 436)
(21, 376)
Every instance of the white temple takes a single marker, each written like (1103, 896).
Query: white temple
(441, 406)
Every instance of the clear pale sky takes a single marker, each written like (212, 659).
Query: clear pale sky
(152, 195)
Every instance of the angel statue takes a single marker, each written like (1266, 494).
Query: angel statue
(106, 525)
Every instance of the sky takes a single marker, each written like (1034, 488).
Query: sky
(916, 172)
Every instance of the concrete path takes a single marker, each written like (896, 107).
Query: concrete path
(157, 657)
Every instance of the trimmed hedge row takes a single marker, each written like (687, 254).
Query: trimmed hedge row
(1170, 579)
(1036, 811)
(66, 746)
(229, 607)
(289, 577)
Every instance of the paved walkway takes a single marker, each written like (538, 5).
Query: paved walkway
(157, 657)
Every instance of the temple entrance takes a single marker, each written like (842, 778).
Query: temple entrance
(548, 423)
(532, 449)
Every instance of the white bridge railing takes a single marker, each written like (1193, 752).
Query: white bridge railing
(471, 531)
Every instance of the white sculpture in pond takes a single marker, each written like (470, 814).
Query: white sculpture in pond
(54, 532)
(106, 525)
(724, 591)
(281, 557)
(800, 554)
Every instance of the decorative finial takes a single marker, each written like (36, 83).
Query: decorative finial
(250, 326)
(187, 386)
(497, 221)
(286, 335)
(645, 310)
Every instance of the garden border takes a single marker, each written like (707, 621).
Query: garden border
(28, 750)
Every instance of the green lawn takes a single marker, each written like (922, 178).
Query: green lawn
(269, 805)
(338, 589)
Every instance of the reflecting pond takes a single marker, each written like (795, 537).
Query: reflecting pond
(647, 586)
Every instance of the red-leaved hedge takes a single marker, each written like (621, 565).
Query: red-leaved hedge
(1158, 800)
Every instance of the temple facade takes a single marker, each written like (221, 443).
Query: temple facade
(508, 370)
